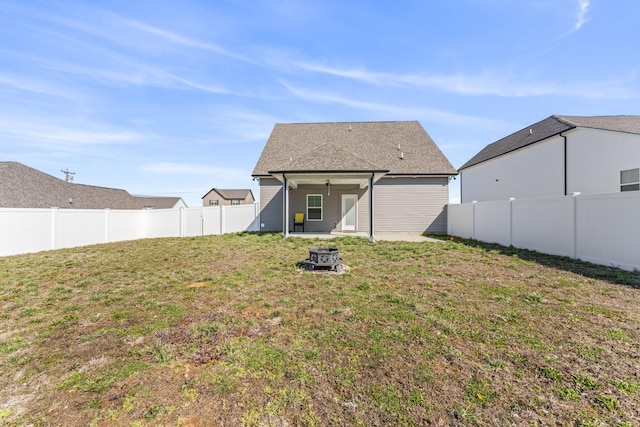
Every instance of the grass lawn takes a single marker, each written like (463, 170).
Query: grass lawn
(226, 330)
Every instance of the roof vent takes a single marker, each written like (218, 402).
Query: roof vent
(530, 131)
(401, 155)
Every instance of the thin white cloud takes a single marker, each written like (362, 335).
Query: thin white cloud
(502, 83)
(400, 112)
(172, 37)
(61, 134)
(37, 86)
(581, 17)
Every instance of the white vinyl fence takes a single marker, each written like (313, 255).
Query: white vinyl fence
(599, 228)
(33, 230)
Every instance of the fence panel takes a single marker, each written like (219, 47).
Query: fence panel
(163, 222)
(193, 222)
(237, 218)
(79, 227)
(25, 230)
(544, 225)
(212, 220)
(32, 230)
(608, 229)
(460, 220)
(492, 222)
(599, 228)
(125, 225)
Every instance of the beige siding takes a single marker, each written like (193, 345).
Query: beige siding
(411, 205)
(271, 204)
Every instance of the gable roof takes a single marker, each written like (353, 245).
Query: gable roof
(352, 147)
(25, 187)
(229, 194)
(551, 126)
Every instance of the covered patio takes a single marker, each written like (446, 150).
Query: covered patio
(351, 187)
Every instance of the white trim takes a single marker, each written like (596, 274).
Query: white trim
(355, 212)
(308, 218)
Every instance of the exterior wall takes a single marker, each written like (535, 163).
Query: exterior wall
(596, 157)
(533, 171)
(412, 205)
(331, 205)
(594, 160)
(271, 204)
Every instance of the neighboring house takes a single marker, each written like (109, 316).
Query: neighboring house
(353, 177)
(225, 197)
(25, 187)
(557, 156)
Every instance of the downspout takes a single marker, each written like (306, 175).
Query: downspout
(565, 162)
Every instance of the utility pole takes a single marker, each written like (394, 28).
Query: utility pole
(68, 175)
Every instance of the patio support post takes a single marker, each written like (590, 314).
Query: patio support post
(285, 208)
(371, 238)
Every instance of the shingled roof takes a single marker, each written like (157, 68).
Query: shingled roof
(552, 126)
(25, 187)
(231, 194)
(399, 148)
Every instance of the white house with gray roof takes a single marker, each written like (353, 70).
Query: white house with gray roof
(353, 177)
(557, 156)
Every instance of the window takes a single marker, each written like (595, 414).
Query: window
(213, 202)
(235, 202)
(630, 180)
(314, 207)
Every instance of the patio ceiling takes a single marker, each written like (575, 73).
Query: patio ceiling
(335, 178)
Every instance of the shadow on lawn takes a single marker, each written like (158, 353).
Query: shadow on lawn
(583, 268)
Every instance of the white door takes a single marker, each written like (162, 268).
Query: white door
(349, 212)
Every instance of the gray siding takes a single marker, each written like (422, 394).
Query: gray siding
(331, 204)
(411, 205)
(271, 204)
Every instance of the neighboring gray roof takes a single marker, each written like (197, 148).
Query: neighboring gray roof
(552, 126)
(352, 147)
(229, 194)
(25, 187)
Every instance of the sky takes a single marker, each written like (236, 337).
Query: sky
(173, 98)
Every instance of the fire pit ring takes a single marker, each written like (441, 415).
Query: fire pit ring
(324, 259)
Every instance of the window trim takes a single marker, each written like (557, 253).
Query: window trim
(235, 202)
(631, 185)
(214, 202)
(321, 207)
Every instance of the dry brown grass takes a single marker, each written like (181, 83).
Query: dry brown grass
(226, 330)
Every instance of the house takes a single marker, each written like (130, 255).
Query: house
(25, 187)
(353, 177)
(225, 197)
(557, 156)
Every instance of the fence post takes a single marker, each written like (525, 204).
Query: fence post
(54, 214)
(181, 233)
(106, 225)
(473, 220)
(202, 220)
(222, 219)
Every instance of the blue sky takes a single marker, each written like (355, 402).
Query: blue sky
(176, 97)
